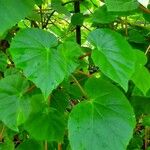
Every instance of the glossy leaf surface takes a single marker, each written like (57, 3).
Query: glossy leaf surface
(34, 51)
(14, 103)
(113, 55)
(105, 122)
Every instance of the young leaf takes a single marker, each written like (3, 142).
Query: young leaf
(77, 19)
(104, 122)
(141, 76)
(37, 103)
(136, 36)
(34, 51)
(46, 125)
(14, 104)
(121, 5)
(113, 55)
(13, 11)
(101, 15)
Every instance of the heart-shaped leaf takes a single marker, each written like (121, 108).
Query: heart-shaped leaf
(113, 55)
(35, 51)
(101, 15)
(46, 125)
(104, 122)
(14, 104)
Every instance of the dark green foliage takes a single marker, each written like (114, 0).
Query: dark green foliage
(74, 75)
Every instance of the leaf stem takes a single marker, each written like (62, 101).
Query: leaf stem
(85, 55)
(126, 26)
(1, 133)
(41, 15)
(144, 9)
(29, 89)
(59, 146)
(83, 73)
(45, 145)
(80, 87)
(146, 137)
(147, 50)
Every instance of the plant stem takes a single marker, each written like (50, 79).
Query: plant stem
(85, 55)
(80, 87)
(78, 28)
(59, 146)
(147, 50)
(83, 73)
(48, 18)
(41, 15)
(146, 137)
(126, 26)
(30, 89)
(45, 145)
(1, 133)
(52, 13)
(49, 100)
(144, 9)
(93, 4)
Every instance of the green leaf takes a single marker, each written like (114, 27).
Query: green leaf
(141, 59)
(3, 61)
(57, 5)
(141, 76)
(101, 15)
(146, 17)
(14, 103)
(104, 122)
(59, 100)
(113, 55)
(74, 91)
(121, 5)
(39, 2)
(46, 125)
(30, 144)
(34, 51)
(12, 12)
(77, 19)
(70, 52)
(11, 71)
(136, 36)
(146, 121)
(37, 103)
(136, 142)
(141, 105)
(141, 79)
